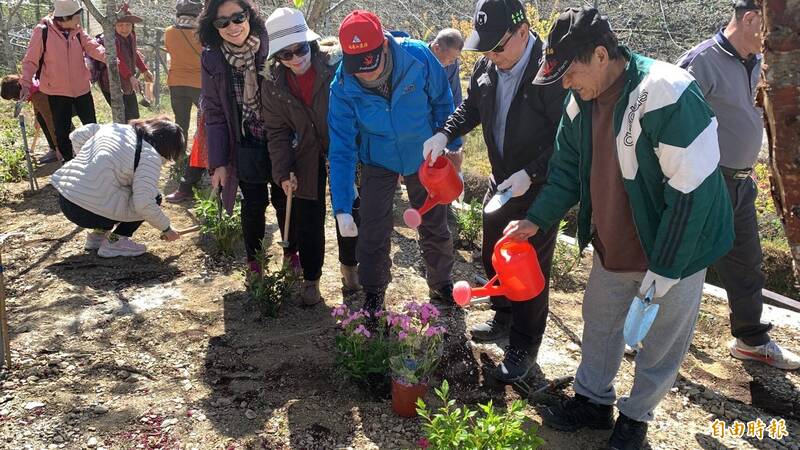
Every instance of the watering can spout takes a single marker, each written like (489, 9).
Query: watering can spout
(443, 184)
(463, 293)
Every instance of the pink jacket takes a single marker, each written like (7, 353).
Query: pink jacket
(64, 71)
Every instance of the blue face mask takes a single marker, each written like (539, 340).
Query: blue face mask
(641, 316)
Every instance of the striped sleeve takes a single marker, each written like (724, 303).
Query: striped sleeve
(684, 134)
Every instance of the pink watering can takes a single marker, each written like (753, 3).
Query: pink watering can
(518, 273)
(443, 185)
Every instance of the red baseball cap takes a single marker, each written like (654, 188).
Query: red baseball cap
(361, 37)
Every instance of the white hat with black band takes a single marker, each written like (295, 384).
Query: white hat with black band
(287, 26)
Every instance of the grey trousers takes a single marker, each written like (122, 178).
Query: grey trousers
(377, 223)
(740, 269)
(605, 306)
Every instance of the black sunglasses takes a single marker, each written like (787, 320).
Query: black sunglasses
(287, 54)
(501, 46)
(237, 18)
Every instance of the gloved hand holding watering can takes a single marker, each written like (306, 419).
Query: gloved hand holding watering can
(643, 311)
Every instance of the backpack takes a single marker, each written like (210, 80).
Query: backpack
(44, 49)
(96, 68)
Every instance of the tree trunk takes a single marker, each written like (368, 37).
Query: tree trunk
(109, 22)
(781, 98)
(316, 13)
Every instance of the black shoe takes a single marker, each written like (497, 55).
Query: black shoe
(494, 329)
(442, 298)
(628, 434)
(372, 304)
(578, 412)
(516, 365)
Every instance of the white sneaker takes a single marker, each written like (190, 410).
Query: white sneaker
(123, 246)
(94, 239)
(770, 353)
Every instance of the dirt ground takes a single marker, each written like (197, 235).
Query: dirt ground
(166, 351)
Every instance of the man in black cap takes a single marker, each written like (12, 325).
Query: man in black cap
(519, 121)
(637, 150)
(727, 67)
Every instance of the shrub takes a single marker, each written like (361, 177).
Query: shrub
(270, 287)
(449, 427)
(13, 166)
(469, 223)
(565, 258)
(224, 228)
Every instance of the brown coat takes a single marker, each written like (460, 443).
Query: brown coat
(297, 135)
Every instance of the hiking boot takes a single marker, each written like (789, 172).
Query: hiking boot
(292, 261)
(310, 293)
(770, 353)
(120, 246)
(94, 239)
(50, 156)
(578, 412)
(516, 365)
(350, 278)
(178, 197)
(494, 329)
(628, 434)
(373, 303)
(442, 297)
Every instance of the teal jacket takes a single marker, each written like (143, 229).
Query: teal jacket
(668, 153)
(386, 133)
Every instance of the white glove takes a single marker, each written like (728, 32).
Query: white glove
(347, 226)
(519, 182)
(434, 146)
(663, 284)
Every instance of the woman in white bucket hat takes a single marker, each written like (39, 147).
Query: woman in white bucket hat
(294, 95)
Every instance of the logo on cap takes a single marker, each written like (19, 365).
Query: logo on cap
(480, 18)
(368, 60)
(356, 39)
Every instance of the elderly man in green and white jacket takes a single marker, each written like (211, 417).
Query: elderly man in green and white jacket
(638, 141)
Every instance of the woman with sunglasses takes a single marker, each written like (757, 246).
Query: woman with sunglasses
(294, 95)
(55, 58)
(236, 47)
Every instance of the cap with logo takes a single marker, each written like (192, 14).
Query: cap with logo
(361, 37)
(574, 28)
(745, 5)
(493, 18)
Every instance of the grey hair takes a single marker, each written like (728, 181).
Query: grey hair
(449, 38)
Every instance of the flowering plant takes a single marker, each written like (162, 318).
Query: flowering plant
(362, 353)
(418, 342)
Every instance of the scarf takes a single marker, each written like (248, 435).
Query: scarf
(244, 59)
(126, 51)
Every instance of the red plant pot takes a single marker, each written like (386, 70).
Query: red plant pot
(404, 397)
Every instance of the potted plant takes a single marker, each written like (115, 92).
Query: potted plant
(362, 353)
(415, 355)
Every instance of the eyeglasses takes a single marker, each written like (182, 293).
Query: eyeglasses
(501, 46)
(288, 54)
(237, 18)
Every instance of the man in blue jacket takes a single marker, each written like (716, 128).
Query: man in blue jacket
(388, 96)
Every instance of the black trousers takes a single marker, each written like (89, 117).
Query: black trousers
(309, 215)
(528, 318)
(129, 102)
(255, 198)
(182, 99)
(46, 131)
(740, 268)
(87, 219)
(62, 108)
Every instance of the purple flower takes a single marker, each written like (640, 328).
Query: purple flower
(339, 311)
(402, 335)
(362, 330)
(423, 443)
(433, 331)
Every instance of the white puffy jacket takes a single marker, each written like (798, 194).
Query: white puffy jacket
(101, 178)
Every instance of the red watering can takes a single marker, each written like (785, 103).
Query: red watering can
(518, 273)
(443, 185)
